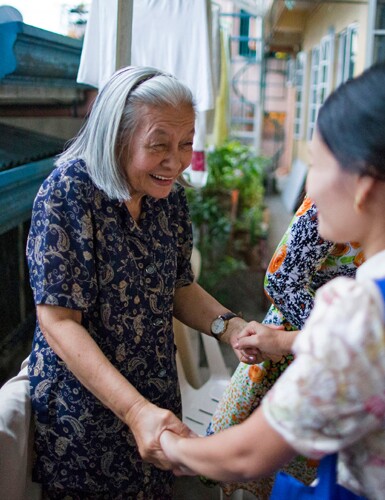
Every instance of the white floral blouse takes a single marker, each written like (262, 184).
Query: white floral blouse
(332, 397)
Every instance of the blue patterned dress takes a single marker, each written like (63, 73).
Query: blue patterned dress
(85, 252)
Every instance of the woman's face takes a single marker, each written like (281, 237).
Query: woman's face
(333, 191)
(161, 149)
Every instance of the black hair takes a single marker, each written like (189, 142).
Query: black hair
(351, 123)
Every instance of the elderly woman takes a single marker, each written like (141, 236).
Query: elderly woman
(331, 397)
(109, 256)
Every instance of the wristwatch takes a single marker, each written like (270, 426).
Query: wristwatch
(219, 325)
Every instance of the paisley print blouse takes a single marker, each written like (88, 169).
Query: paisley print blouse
(332, 397)
(85, 252)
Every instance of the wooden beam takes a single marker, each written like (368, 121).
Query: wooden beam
(124, 33)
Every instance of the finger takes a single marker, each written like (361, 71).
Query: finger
(179, 428)
(247, 358)
(247, 331)
(276, 327)
(247, 343)
(181, 470)
(276, 358)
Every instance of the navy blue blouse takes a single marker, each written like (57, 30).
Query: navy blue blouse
(85, 252)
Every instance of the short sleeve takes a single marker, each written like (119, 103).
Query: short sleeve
(333, 393)
(60, 249)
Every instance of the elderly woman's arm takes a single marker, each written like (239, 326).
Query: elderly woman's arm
(196, 308)
(72, 343)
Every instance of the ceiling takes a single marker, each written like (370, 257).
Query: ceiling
(285, 21)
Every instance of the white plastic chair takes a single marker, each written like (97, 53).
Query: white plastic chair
(199, 400)
(199, 403)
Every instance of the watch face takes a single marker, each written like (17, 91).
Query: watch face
(217, 326)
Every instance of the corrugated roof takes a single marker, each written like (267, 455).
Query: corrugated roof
(19, 146)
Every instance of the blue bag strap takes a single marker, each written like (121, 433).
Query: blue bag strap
(287, 487)
(327, 487)
(381, 285)
(327, 476)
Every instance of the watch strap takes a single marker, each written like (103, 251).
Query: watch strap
(227, 316)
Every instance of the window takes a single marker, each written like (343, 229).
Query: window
(379, 32)
(347, 53)
(376, 32)
(246, 44)
(314, 70)
(320, 79)
(299, 82)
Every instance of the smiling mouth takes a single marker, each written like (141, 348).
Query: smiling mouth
(161, 178)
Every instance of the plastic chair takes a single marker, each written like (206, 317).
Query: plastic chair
(199, 400)
(199, 403)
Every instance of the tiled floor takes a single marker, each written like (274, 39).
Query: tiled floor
(246, 296)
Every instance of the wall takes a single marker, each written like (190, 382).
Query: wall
(63, 128)
(337, 17)
(317, 26)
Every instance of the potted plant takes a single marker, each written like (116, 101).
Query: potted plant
(228, 213)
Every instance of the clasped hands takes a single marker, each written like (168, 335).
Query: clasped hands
(257, 343)
(158, 431)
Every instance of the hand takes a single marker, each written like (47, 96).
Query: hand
(147, 422)
(169, 442)
(264, 342)
(236, 327)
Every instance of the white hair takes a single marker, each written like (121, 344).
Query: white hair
(113, 120)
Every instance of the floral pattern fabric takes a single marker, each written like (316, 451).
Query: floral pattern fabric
(332, 397)
(302, 263)
(85, 252)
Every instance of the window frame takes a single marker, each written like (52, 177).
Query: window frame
(373, 33)
(300, 74)
(321, 72)
(346, 53)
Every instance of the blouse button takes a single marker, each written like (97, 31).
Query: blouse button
(150, 269)
(162, 373)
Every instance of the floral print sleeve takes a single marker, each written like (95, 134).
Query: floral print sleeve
(336, 383)
(60, 247)
(303, 262)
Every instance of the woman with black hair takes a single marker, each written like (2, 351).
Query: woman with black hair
(331, 398)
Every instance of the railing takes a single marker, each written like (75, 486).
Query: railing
(18, 188)
(32, 56)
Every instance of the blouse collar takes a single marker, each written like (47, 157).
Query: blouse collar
(373, 268)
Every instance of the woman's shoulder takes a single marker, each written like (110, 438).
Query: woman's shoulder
(70, 178)
(345, 289)
(345, 309)
(72, 171)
